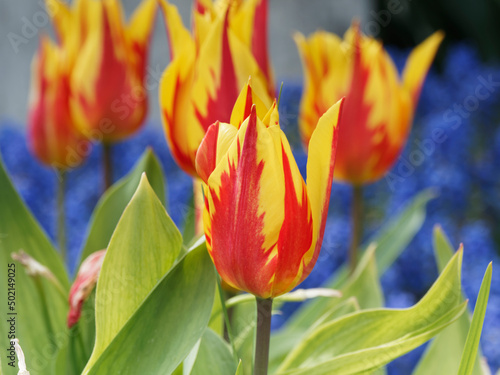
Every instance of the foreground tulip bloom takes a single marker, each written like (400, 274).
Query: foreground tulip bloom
(379, 107)
(84, 284)
(108, 98)
(207, 71)
(264, 226)
(51, 134)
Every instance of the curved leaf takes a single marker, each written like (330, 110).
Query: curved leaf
(364, 341)
(142, 249)
(168, 324)
(111, 205)
(40, 307)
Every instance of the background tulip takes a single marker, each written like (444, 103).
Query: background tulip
(51, 133)
(379, 106)
(207, 71)
(109, 101)
(255, 199)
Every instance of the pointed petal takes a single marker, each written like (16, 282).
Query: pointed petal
(181, 129)
(244, 103)
(139, 33)
(260, 43)
(320, 166)
(213, 148)
(178, 35)
(418, 64)
(296, 234)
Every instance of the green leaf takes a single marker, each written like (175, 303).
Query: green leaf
(390, 241)
(111, 205)
(364, 285)
(213, 354)
(282, 342)
(362, 342)
(41, 308)
(168, 324)
(472, 344)
(444, 352)
(142, 249)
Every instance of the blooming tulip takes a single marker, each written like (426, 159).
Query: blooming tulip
(51, 135)
(207, 71)
(84, 284)
(379, 107)
(263, 225)
(108, 61)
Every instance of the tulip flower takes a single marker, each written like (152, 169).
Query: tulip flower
(84, 284)
(207, 71)
(378, 110)
(108, 101)
(263, 224)
(379, 106)
(51, 135)
(107, 60)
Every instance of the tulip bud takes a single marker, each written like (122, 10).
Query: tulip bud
(84, 284)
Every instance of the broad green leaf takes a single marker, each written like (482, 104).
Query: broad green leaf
(390, 241)
(469, 355)
(444, 352)
(40, 307)
(168, 323)
(142, 249)
(362, 342)
(111, 205)
(213, 355)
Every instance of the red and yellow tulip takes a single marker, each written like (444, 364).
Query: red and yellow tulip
(263, 224)
(51, 135)
(108, 61)
(207, 71)
(379, 106)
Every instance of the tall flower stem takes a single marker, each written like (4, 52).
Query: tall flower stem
(107, 165)
(357, 225)
(264, 311)
(61, 217)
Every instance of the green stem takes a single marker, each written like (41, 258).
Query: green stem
(107, 165)
(227, 322)
(61, 217)
(264, 312)
(357, 226)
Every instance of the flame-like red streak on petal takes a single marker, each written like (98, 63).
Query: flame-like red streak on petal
(183, 159)
(220, 106)
(324, 214)
(259, 42)
(237, 239)
(296, 234)
(113, 89)
(206, 155)
(355, 146)
(53, 112)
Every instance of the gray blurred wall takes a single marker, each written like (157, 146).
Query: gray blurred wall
(286, 17)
